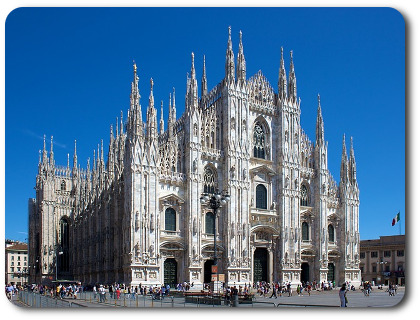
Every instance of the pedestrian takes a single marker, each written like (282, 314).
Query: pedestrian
(274, 292)
(101, 293)
(342, 294)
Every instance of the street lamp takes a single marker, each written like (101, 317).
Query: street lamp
(58, 252)
(214, 201)
(381, 263)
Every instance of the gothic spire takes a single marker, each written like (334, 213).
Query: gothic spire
(193, 91)
(292, 80)
(151, 116)
(52, 153)
(192, 95)
(121, 123)
(319, 125)
(282, 79)
(94, 161)
(230, 64)
(102, 151)
(44, 154)
(352, 163)
(344, 163)
(170, 109)
(241, 64)
(162, 122)
(204, 79)
(111, 137)
(173, 106)
(135, 107)
(151, 97)
(75, 155)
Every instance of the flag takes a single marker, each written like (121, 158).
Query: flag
(396, 219)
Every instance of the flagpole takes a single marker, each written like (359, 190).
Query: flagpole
(400, 221)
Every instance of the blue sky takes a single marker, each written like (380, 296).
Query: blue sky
(68, 75)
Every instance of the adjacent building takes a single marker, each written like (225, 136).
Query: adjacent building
(136, 217)
(382, 261)
(16, 263)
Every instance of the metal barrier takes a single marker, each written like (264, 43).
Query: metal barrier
(37, 300)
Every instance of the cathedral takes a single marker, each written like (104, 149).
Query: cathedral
(138, 217)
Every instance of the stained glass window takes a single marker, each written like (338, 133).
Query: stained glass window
(170, 219)
(261, 197)
(259, 141)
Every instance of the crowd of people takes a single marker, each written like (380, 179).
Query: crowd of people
(116, 291)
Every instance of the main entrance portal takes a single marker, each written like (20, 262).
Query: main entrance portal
(207, 271)
(170, 272)
(260, 265)
(304, 275)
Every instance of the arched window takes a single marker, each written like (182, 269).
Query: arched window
(210, 223)
(170, 219)
(210, 180)
(63, 251)
(305, 231)
(261, 197)
(304, 197)
(259, 141)
(63, 185)
(330, 233)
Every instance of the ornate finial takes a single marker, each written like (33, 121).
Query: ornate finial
(68, 160)
(116, 126)
(151, 84)
(121, 123)
(51, 143)
(44, 143)
(134, 66)
(319, 100)
(230, 31)
(240, 36)
(173, 96)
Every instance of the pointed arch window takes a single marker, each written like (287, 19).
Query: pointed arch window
(64, 258)
(259, 141)
(170, 219)
(305, 231)
(261, 197)
(63, 185)
(209, 223)
(331, 237)
(210, 180)
(304, 197)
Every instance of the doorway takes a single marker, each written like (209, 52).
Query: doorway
(304, 275)
(260, 265)
(170, 269)
(207, 270)
(331, 272)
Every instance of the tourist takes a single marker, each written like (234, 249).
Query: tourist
(309, 288)
(274, 292)
(101, 293)
(342, 295)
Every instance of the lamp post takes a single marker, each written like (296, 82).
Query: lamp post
(215, 201)
(58, 252)
(382, 273)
